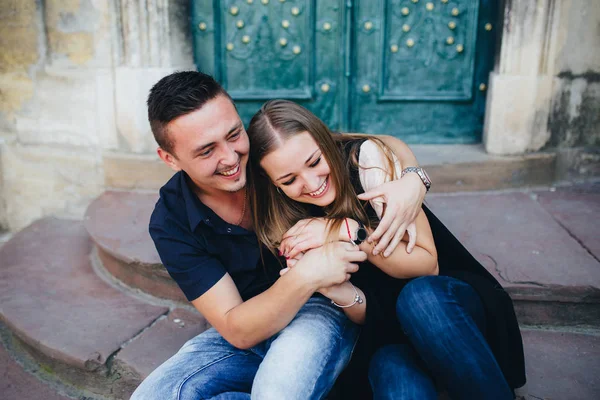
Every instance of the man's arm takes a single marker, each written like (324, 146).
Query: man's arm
(245, 324)
(401, 150)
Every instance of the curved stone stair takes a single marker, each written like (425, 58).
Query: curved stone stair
(80, 328)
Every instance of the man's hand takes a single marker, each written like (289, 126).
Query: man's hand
(330, 264)
(403, 199)
(306, 234)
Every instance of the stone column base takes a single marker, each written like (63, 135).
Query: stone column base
(517, 112)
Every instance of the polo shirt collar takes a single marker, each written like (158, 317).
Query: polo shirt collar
(198, 212)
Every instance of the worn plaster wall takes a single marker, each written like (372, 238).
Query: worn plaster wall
(74, 76)
(575, 112)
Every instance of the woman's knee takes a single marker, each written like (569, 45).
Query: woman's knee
(420, 298)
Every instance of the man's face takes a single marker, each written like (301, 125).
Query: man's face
(211, 146)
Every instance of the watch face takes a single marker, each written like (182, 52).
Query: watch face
(361, 234)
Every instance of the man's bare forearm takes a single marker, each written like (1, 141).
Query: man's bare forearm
(264, 315)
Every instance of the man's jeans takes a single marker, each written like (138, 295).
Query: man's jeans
(300, 362)
(444, 319)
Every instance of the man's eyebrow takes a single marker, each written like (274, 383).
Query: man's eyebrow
(205, 146)
(235, 127)
(305, 162)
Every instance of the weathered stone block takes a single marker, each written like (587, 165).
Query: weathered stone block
(517, 113)
(575, 114)
(72, 107)
(17, 89)
(135, 171)
(41, 180)
(579, 50)
(80, 32)
(19, 33)
(132, 88)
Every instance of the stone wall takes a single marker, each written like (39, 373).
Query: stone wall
(544, 91)
(575, 113)
(74, 76)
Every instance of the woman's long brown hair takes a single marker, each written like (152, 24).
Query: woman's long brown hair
(273, 212)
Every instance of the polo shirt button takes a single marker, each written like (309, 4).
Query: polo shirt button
(228, 230)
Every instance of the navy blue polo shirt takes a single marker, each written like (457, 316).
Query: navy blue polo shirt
(198, 247)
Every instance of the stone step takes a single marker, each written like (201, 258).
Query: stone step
(72, 322)
(527, 240)
(561, 365)
(82, 330)
(464, 167)
(16, 384)
(550, 268)
(117, 222)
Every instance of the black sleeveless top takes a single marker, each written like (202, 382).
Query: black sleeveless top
(382, 328)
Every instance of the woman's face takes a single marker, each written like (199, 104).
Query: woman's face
(299, 169)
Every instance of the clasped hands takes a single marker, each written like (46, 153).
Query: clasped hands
(401, 206)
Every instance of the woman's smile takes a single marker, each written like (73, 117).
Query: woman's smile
(321, 190)
(298, 167)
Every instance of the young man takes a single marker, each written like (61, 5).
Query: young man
(270, 336)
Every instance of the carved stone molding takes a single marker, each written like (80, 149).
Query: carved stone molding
(154, 33)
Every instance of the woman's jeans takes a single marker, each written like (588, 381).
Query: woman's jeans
(443, 319)
(301, 362)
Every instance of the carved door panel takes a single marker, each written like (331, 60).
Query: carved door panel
(268, 49)
(412, 68)
(421, 68)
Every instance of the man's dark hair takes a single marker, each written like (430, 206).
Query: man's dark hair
(175, 95)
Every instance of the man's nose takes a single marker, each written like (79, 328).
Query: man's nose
(230, 156)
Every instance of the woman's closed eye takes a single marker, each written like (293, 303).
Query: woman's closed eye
(288, 182)
(311, 165)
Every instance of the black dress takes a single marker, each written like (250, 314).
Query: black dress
(382, 327)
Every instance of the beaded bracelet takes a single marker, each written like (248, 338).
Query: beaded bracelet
(357, 299)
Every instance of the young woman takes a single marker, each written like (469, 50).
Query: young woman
(457, 330)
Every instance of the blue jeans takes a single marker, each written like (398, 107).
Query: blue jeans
(443, 319)
(301, 362)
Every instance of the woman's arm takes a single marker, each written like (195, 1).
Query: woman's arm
(403, 199)
(375, 170)
(342, 294)
(400, 264)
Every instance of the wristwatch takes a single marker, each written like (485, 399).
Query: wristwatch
(422, 174)
(361, 234)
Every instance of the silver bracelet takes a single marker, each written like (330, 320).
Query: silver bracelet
(357, 299)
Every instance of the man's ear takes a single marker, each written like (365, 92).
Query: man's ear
(168, 159)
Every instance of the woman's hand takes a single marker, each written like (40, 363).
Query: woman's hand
(305, 235)
(403, 199)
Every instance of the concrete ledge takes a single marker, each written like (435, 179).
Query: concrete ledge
(452, 168)
(134, 172)
(465, 168)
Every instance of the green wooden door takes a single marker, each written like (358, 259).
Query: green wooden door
(410, 68)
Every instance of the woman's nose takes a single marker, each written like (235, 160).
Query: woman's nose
(311, 182)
